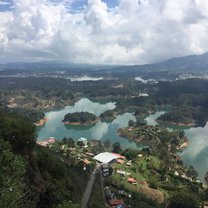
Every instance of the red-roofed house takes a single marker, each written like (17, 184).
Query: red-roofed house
(120, 161)
(86, 162)
(89, 154)
(50, 140)
(132, 180)
(116, 202)
(119, 156)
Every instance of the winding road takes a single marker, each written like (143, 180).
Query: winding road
(88, 189)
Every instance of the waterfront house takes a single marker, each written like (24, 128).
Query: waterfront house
(84, 141)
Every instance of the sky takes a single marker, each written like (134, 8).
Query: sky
(120, 32)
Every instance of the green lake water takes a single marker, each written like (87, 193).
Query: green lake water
(100, 131)
(196, 154)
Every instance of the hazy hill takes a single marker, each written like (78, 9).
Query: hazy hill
(187, 63)
(193, 63)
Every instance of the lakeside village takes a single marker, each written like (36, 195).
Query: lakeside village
(125, 172)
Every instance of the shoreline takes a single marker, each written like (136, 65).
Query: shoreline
(182, 124)
(121, 132)
(79, 123)
(41, 122)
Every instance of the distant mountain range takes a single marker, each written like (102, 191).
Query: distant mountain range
(193, 63)
(187, 63)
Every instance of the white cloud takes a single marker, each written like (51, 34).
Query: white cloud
(5, 3)
(129, 33)
(99, 130)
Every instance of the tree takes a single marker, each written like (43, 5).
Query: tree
(184, 200)
(68, 205)
(130, 154)
(141, 122)
(131, 123)
(206, 178)
(191, 172)
(80, 143)
(107, 143)
(68, 141)
(153, 182)
(12, 169)
(20, 133)
(117, 147)
(100, 145)
(71, 142)
(65, 140)
(181, 134)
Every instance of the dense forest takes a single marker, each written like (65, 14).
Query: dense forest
(37, 95)
(179, 97)
(29, 114)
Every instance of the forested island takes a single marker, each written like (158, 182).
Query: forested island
(83, 118)
(182, 117)
(108, 116)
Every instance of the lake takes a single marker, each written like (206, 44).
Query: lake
(100, 131)
(151, 119)
(196, 154)
(84, 78)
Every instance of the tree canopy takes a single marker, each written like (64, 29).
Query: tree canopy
(19, 132)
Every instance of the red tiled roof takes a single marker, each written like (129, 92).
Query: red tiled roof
(46, 142)
(115, 202)
(120, 156)
(87, 162)
(120, 161)
(50, 140)
(132, 180)
(42, 143)
(89, 153)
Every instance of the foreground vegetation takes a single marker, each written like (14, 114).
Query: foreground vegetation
(34, 176)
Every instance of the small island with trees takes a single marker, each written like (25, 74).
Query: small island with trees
(184, 116)
(80, 118)
(108, 116)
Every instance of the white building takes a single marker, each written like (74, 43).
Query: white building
(84, 140)
(106, 157)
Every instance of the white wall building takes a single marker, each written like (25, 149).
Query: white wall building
(106, 157)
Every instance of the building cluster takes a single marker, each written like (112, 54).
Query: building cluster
(105, 161)
(112, 199)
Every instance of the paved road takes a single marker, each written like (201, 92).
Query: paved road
(88, 189)
(103, 191)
